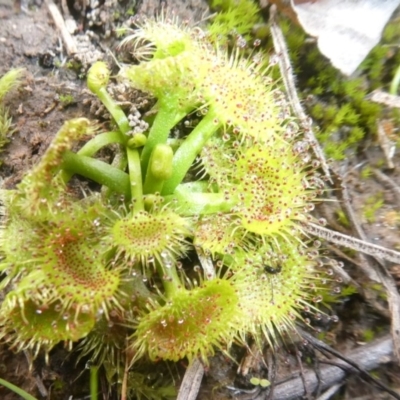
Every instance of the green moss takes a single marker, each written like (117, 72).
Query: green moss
(144, 386)
(372, 205)
(368, 335)
(366, 172)
(234, 17)
(331, 298)
(7, 82)
(5, 126)
(66, 99)
(342, 218)
(339, 105)
(379, 289)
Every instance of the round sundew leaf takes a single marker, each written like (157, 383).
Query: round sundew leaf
(74, 265)
(62, 250)
(33, 325)
(15, 237)
(171, 65)
(234, 88)
(165, 77)
(191, 323)
(145, 236)
(273, 285)
(216, 161)
(218, 236)
(160, 39)
(272, 192)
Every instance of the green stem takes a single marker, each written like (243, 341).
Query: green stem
(190, 148)
(395, 82)
(17, 390)
(94, 382)
(93, 146)
(170, 279)
(135, 177)
(159, 169)
(98, 171)
(114, 109)
(168, 115)
(120, 161)
(190, 204)
(99, 141)
(197, 187)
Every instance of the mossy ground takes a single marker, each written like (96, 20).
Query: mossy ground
(38, 115)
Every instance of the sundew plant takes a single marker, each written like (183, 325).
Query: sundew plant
(113, 269)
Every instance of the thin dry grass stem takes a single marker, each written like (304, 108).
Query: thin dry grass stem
(272, 373)
(330, 392)
(385, 180)
(39, 382)
(288, 78)
(361, 360)
(365, 357)
(342, 273)
(350, 242)
(343, 256)
(394, 307)
(328, 351)
(124, 388)
(376, 270)
(380, 273)
(344, 198)
(206, 264)
(307, 392)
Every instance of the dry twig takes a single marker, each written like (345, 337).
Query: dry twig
(365, 357)
(384, 179)
(387, 145)
(288, 79)
(352, 243)
(69, 42)
(378, 96)
(191, 381)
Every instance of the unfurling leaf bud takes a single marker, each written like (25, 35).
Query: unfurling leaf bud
(161, 162)
(137, 140)
(98, 76)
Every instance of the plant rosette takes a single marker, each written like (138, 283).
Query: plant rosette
(112, 262)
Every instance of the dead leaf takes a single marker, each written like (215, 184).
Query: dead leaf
(346, 30)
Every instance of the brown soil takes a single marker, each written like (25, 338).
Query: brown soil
(29, 39)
